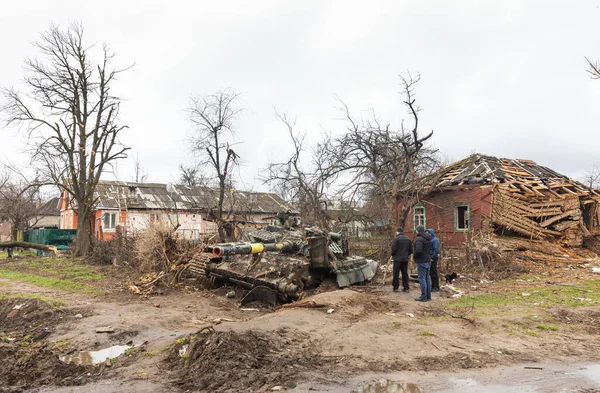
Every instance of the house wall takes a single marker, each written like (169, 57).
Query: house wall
(439, 213)
(46, 222)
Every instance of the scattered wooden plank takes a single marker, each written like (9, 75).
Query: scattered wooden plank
(569, 213)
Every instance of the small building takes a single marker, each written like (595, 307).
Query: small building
(485, 193)
(133, 206)
(47, 215)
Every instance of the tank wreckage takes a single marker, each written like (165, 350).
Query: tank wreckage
(279, 264)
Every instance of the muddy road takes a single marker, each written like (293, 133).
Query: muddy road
(198, 340)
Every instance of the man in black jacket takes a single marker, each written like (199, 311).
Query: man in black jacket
(401, 249)
(423, 261)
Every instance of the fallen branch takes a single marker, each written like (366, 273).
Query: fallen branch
(35, 246)
(463, 315)
(305, 304)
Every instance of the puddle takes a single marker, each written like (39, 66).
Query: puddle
(471, 385)
(87, 358)
(387, 386)
(591, 372)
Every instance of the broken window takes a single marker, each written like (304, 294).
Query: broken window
(110, 220)
(418, 216)
(462, 217)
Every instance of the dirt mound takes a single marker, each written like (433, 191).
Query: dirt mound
(588, 316)
(353, 305)
(27, 315)
(26, 367)
(247, 361)
(26, 359)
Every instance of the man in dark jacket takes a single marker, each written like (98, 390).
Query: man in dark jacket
(423, 261)
(434, 253)
(401, 249)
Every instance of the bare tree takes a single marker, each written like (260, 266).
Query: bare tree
(593, 68)
(305, 182)
(213, 117)
(140, 173)
(71, 115)
(592, 178)
(18, 202)
(191, 176)
(384, 167)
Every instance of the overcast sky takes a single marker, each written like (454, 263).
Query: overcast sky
(505, 78)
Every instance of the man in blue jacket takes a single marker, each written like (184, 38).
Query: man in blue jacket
(434, 253)
(423, 261)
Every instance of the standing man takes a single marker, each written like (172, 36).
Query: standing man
(423, 261)
(435, 255)
(401, 249)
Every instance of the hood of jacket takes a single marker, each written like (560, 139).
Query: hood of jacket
(425, 235)
(431, 232)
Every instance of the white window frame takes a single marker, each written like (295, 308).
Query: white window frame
(419, 216)
(112, 221)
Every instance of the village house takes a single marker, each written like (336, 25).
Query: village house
(484, 193)
(133, 206)
(47, 215)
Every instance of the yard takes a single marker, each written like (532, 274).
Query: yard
(194, 338)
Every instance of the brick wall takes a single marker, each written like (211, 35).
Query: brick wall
(439, 212)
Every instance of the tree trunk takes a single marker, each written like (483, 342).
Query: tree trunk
(220, 221)
(14, 244)
(83, 239)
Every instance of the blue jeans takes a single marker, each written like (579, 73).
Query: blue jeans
(424, 280)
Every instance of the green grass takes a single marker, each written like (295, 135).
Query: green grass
(547, 296)
(542, 326)
(426, 333)
(61, 273)
(531, 333)
(48, 282)
(52, 302)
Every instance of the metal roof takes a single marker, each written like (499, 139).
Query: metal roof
(130, 195)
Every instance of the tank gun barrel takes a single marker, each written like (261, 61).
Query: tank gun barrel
(223, 249)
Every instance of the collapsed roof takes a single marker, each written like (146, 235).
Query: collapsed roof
(523, 177)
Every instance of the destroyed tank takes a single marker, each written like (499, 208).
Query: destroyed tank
(278, 264)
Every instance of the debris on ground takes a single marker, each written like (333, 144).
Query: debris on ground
(448, 291)
(105, 329)
(27, 360)
(242, 361)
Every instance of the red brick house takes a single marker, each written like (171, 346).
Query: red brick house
(484, 193)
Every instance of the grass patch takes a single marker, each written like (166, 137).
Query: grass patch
(48, 282)
(530, 332)
(50, 301)
(64, 268)
(586, 293)
(426, 333)
(547, 327)
(150, 353)
(67, 274)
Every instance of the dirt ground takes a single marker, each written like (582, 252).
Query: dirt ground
(193, 339)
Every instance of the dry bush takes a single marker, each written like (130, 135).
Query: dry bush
(484, 258)
(162, 254)
(117, 251)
